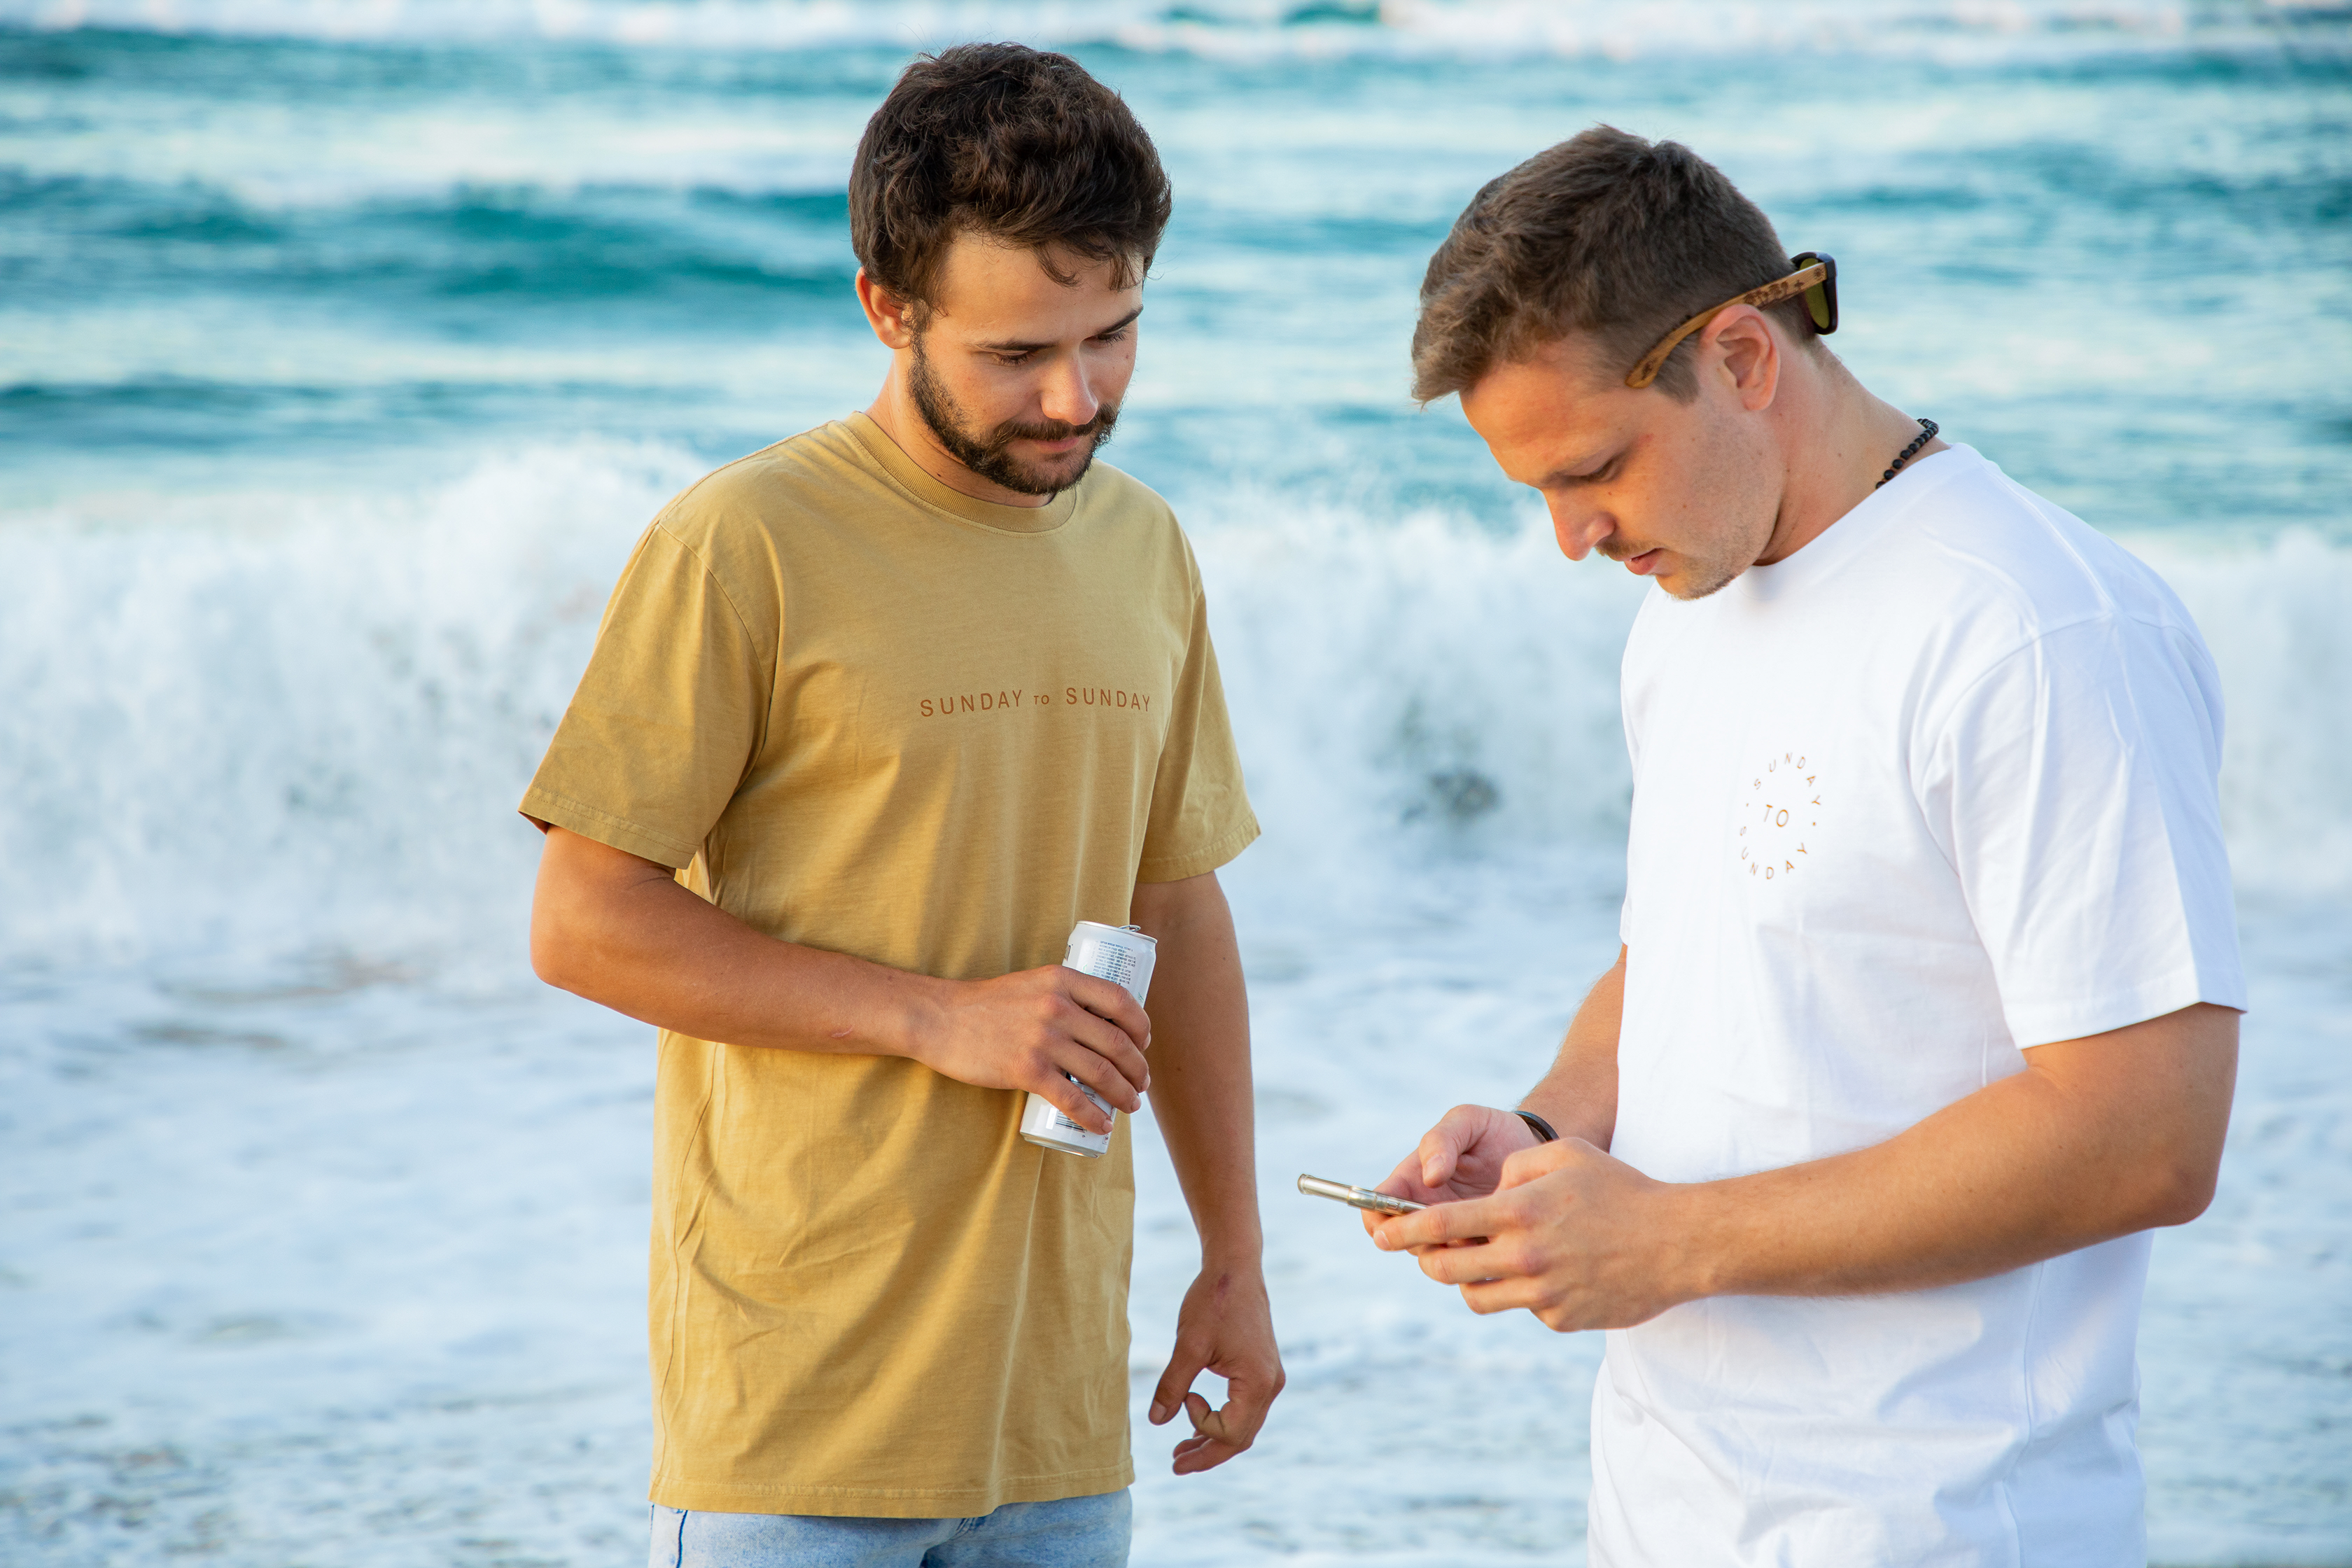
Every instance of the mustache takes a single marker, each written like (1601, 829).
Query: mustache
(1056, 429)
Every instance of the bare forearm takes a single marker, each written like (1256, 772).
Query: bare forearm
(2097, 1138)
(1579, 1095)
(1201, 1089)
(2092, 1142)
(640, 944)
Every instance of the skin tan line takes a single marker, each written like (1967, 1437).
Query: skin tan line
(1010, 346)
(2097, 1138)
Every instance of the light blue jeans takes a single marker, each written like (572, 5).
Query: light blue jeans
(1074, 1533)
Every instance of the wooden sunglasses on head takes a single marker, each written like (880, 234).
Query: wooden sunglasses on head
(1815, 279)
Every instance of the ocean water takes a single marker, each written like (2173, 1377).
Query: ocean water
(344, 349)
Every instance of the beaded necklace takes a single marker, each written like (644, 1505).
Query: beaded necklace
(1926, 434)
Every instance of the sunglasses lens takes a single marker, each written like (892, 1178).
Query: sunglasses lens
(1821, 300)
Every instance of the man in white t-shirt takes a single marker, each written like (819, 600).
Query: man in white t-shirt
(1927, 1008)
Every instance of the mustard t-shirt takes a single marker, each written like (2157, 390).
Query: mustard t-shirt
(865, 712)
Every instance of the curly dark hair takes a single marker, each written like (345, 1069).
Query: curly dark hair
(1009, 141)
(1606, 235)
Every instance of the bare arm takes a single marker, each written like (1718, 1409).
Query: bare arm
(2097, 1138)
(619, 930)
(1200, 1096)
(1578, 1096)
(1463, 1155)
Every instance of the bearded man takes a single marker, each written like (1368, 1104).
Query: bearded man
(873, 717)
(1926, 1003)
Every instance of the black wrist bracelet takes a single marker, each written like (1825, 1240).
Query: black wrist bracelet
(1538, 1126)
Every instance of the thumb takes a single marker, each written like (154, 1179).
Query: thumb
(1437, 1156)
(1526, 1165)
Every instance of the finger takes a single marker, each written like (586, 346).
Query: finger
(1096, 1072)
(1459, 1133)
(1212, 1444)
(1476, 1265)
(1525, 1165)
(1486, 1297)
(1109, 1000)
(1194, 1454)
(1404, 1182)
(1105, 1039)
(1183, 1365)
(1041, 1072)
(1072, 1103)
(1244, 1413)
(1436, 1225)
(1440, 1152)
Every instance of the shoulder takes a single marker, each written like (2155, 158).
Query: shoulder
(757, 522)
(1117, 507)
(1989, 562)
(1117, 493)
(802, 476)
(1999, 579)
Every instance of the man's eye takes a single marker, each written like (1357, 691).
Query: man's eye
(1022, 358)
(1118, 337)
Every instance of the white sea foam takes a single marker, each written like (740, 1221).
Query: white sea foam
(1224, 28)
(264, 724)
(340, 1258)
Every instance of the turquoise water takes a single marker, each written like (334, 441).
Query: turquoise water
(344, 348)
(2114, 261)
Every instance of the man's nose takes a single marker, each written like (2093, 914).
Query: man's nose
(1068, 394)
(1577, 526)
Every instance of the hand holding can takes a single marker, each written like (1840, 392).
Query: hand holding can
(1123, 955)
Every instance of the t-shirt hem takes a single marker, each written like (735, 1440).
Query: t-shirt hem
(886, 1502)
(618, 832)
(2119, 1009)
(1176, 868)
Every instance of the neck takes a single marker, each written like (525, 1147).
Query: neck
(1837, 440)
(893, 409)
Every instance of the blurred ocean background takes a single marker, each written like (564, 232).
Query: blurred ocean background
(345, 347)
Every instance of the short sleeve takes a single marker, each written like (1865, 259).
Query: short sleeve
(1200, 817)
(667, 716)
(2074, 787)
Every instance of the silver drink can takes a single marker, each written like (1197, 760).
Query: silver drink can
(1123, 955)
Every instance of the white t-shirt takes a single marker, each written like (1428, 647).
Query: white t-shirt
(1937, 787)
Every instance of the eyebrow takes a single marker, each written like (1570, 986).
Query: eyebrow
(1019, 348)
(1566, 475)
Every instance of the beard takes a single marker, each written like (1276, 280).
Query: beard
(989, 453)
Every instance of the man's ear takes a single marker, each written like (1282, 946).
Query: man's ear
(1740, 347)
(894, 321)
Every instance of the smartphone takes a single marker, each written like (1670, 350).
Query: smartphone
(1355, 1197)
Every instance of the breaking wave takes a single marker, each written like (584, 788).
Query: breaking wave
(267, 724)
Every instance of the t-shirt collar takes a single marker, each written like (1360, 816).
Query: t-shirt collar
(1850, 534)
(894, 461)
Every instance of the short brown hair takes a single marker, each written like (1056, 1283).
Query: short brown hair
(1009, 141)
(1605, 234)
